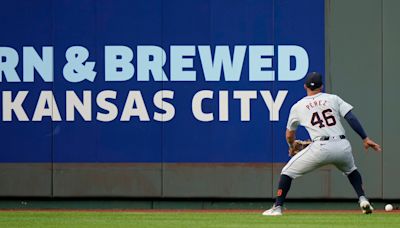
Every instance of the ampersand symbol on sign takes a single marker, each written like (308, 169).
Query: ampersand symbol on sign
(76, 69)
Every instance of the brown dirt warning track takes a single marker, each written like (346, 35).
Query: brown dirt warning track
(193, 211)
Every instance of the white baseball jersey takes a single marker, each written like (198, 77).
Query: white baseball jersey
(319, 114)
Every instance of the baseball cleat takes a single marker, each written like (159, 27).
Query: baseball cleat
(274, 211)
(365, 206)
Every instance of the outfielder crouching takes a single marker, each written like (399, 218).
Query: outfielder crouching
(320, 114)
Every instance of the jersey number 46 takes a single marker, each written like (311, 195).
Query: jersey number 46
(328, 119)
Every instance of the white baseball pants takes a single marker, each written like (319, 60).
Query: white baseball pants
(335, 151)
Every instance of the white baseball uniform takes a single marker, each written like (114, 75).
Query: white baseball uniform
(320, 115)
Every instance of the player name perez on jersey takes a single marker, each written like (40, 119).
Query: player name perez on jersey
(316, 103)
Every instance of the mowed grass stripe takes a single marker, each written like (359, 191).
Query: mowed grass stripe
(192, 219)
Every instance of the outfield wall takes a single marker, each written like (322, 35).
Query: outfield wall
(182, 153)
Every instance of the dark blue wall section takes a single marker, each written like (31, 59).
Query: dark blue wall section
(225, 23)
(26, 23)
(96, 24)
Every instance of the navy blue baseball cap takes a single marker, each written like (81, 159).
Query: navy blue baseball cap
(313, 80)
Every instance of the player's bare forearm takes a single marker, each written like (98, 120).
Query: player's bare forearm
(369, 143)
(290, 137)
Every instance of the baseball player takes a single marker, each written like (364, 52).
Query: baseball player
(320, 114)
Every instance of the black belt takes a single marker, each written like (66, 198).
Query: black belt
(326, 138)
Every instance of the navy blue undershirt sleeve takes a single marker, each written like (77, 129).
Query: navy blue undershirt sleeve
(355, 124)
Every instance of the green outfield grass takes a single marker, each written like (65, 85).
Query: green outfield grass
(77, 219)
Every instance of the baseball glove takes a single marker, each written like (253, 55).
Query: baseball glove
(298, 146)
